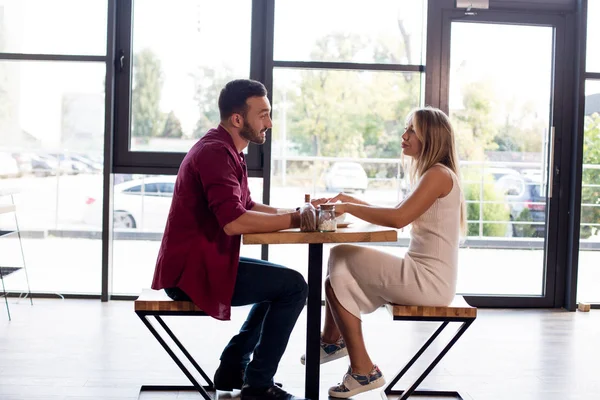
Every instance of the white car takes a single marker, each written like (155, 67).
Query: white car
(8, 166)
(140, 204)
(346, 176)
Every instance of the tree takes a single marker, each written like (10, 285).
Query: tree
(350, 113)
(147, 85)
(590, 195)
(475, 129)
(522, 131)
(172, 127)
(490, 212)
(209, 82)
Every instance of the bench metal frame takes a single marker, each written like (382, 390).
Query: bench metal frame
(412, 390)
(196, 386)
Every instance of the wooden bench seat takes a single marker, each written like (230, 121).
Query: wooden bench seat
(157, 300)
(458, 312)
(458, 309)
(156, 303)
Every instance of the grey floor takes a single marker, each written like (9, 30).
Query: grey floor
(84, 349)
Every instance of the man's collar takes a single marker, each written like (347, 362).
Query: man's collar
(226, 136)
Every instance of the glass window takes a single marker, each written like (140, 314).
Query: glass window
(377, 31)
(151, 188)
(339, 130)
(134, 189)
(53, 27)
(139, 223)
(501, 120)
(167, 188)
(51, 149)
(179, 69)
(593, 36)
(588, 289)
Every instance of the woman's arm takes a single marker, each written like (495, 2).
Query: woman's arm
(346, 198)
(436, 183)
(274, 210)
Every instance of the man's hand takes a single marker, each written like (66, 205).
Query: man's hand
(317, 202)
(295, 219)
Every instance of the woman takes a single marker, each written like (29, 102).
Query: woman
(361, 279)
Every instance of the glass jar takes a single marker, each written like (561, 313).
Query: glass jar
(327, 221)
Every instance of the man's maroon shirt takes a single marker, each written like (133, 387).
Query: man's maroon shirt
(195, 254)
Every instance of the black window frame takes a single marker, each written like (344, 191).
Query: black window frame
(126, 160)
(119, 158)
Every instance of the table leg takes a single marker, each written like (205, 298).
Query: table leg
(313, 320)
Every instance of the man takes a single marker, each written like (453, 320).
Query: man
(199, 254)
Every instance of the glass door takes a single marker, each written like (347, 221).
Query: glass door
(502, 78)
(588, 281)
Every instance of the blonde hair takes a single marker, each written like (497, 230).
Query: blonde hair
(434, 130)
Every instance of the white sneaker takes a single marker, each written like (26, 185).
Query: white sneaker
(353, 384)
(330, 351)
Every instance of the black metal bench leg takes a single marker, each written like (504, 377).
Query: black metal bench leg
(405, 394)
(201, 389)
(5, 295)
(184, 351)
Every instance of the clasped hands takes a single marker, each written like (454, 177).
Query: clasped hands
(341, 202)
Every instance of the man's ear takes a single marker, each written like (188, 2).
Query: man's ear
(237, 120)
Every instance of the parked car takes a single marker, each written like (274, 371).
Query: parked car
(24, 162)
(346, 176)
(141, 204)
(535, 174)
(45, 165)
(69, 165)
(526, 203)
(9, 168)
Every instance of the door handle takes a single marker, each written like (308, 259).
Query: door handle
(121, 60)
(551, 163)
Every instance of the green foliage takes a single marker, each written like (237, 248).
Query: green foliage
(491, 212)
(349, 113)
(478, 129)
(209, 82)
(147, 119)
(475, 129)
(591, 155)
(522, 131)
(172, 127)
(524, 230)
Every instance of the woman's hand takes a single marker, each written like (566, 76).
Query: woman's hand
(340, 208)
(346, 198)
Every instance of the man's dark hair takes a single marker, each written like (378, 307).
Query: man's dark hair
(234, 95)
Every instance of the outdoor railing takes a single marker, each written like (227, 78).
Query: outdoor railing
(311, 170)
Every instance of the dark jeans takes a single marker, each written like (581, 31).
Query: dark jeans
(278, 295)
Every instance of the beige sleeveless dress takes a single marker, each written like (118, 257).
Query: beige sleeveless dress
(364, 278)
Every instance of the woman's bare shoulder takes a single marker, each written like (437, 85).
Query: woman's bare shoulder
(439, 176)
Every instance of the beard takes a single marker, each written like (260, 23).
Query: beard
(252, 135)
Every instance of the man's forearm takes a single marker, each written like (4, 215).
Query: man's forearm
(271, 210)
(259, 222)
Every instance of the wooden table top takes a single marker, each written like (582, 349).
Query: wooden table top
(355, 233)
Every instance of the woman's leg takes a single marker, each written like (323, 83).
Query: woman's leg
(351, 330)
(331, 333)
